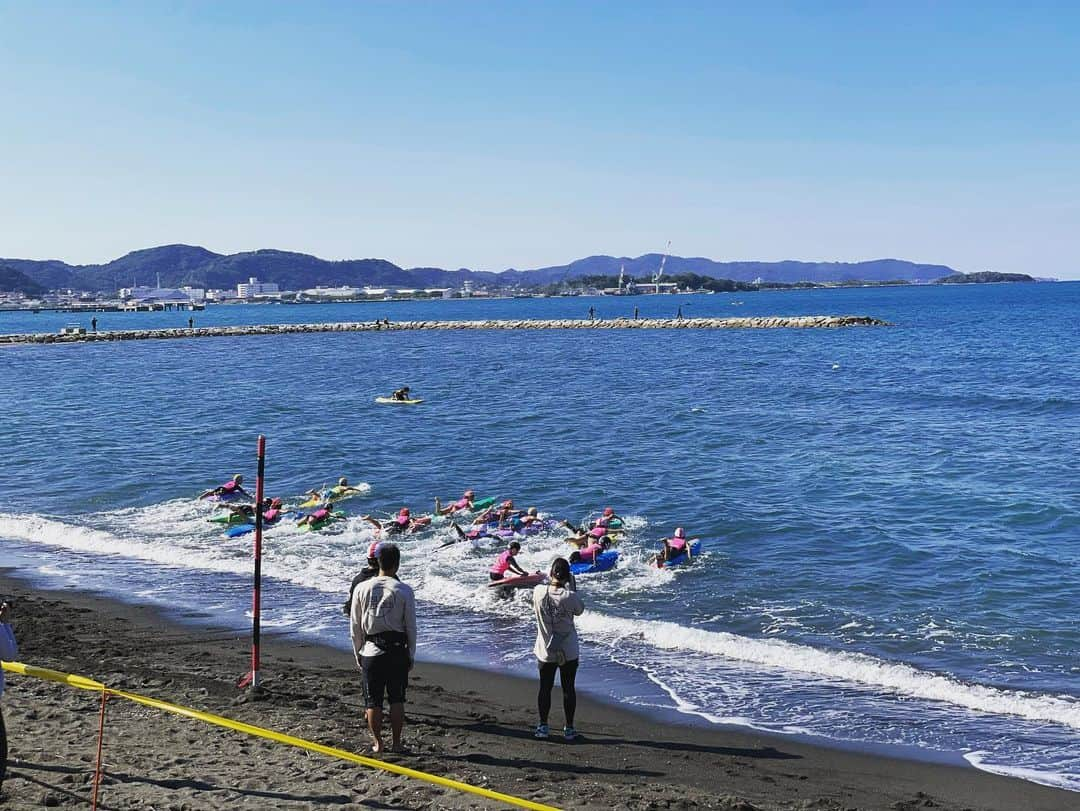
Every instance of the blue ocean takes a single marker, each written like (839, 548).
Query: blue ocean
(890, 516)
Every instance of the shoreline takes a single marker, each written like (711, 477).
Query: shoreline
(482, 737)
(751, 322)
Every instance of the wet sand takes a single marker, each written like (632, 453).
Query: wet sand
(470, 725)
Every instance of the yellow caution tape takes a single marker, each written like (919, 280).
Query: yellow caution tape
(83, 683)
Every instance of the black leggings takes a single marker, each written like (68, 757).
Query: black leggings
(567, 674)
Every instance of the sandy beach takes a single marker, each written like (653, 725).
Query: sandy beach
(462, 723)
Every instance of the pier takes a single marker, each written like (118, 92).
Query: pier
(756, 322)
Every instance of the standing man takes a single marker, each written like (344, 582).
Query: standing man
(93, 323)
(635, 313)
(190, 323)
(383, 629)
(8, 651)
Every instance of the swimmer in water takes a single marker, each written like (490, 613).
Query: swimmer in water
(228, 489)
(463, 503)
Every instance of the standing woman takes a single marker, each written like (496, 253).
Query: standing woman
(555, 605)
(8, 651)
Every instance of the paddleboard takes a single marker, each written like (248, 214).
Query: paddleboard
(244, 529)
(392, 401)
(229, 518)
(334, 516)
(481, 504)
(695, 548)
(604, 561)
(331, 494)
(526, 581)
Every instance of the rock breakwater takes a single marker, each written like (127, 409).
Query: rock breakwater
(761, 322)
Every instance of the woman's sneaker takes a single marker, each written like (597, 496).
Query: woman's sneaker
(541, 731)
(569, 733)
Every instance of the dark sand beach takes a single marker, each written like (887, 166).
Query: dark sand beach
(466, 724)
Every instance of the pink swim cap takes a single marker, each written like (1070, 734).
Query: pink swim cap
(373, 549)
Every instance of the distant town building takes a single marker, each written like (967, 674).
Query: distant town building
(333, 292)
(253, 288)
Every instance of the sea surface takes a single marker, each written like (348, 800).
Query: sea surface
(890, 516)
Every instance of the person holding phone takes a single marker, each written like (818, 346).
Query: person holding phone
(8, 651)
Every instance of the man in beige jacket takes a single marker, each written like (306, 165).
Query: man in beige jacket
(382, 624)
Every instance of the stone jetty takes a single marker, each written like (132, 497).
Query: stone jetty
(758, 322)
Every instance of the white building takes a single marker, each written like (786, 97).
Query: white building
(253, 288)
(333, 292)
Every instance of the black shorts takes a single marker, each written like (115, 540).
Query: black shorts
(386, 673)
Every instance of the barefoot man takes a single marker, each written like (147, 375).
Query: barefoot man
(383, 628)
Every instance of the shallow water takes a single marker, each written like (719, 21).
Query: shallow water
(891, 515)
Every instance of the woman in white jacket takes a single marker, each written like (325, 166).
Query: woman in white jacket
(555, 605)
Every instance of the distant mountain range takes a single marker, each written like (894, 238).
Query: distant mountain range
(180, 265)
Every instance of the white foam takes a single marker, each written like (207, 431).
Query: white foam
(326, 561)
(1054, 779)
(856, 668)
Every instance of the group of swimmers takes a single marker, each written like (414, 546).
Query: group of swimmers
(590, 541)
(273, 509)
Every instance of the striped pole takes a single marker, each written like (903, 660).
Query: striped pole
(252, 678)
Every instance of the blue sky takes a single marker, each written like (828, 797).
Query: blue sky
(494, 135)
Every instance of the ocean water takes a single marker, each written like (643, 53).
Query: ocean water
(891, 516)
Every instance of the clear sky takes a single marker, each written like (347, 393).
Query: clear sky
(493, 135)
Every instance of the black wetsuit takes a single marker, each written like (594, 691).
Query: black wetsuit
(365, 574)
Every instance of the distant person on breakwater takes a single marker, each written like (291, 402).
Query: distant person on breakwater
(8, 651)
(191, 323)
(382, 625)
(93, 323)
(678, 315)
(555, 605)
(635, 313)
(592, 313)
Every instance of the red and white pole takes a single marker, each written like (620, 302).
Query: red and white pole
(252, 678)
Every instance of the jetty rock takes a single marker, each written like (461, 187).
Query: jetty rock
(753, 322)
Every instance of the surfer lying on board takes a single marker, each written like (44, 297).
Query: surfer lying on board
(401, 395)
(342, 488)
(609, 517)
(463, 503)
(321, 513)
(673, 547)
(229, 488)
(400, 523)
(248, 510)
(506, 563)
(529, 517)
(588, 553)
(273, 512)
(502, 515)
(584, 537)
